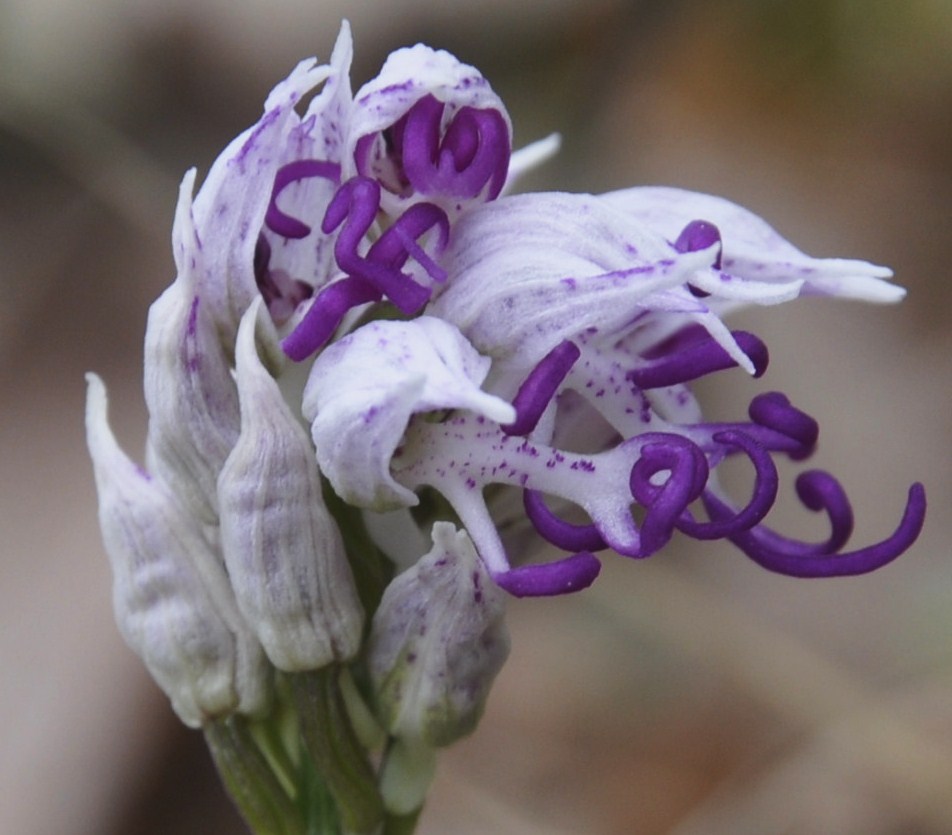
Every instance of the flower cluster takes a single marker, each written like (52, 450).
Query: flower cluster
(463, 352)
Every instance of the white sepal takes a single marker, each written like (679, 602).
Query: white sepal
(532, 270)
(363, 390)
(230, 207)
(191, 398)
(752, 248)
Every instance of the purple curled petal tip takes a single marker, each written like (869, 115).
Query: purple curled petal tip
(755, 349)
(697, 360)
(540, 387)
(773, 410)
(558, 532)
(688, 472)
(400, 241)
(302, 169)
(564, 576)
(764, 493)
(807, 562)
(473, 152)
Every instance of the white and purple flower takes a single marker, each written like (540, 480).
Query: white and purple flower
(469, 360)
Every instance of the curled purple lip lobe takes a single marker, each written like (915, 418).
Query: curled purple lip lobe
(564, 576)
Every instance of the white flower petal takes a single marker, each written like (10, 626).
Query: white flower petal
(533, 270)
(752, 249)
(191, 397)
(363, 390)
(230, 207)
(531, 156)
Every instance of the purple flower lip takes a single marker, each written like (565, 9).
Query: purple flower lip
(558, 532)
(354, 209)
(763, 497)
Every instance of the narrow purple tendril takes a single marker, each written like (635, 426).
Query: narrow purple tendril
(820, 491)
(564, 576)
(355, 206)
(474, 150)
(762, 499)
(325, 314)
(540, 386)
(688, 472)
(697, 360)
(562, 534)
(773, 410)
(400, 241)
(281, 293)
(777, 425)
(302, 169)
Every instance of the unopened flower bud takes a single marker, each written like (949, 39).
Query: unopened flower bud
(438, 640)
(282, 548)
(171, 596)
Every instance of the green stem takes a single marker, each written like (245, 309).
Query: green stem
(401, 824)
(335, 750)
(247, 776)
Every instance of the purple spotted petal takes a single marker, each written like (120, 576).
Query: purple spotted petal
(751, 248)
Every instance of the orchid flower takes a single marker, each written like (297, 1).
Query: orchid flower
(369, 344)
(567, 294)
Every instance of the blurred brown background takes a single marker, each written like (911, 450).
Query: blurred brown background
(691, 694)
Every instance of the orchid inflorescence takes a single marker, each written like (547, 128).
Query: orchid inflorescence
(463, 351)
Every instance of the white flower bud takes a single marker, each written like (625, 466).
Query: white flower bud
(283, 550)
(438, 640)
(171, 596)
